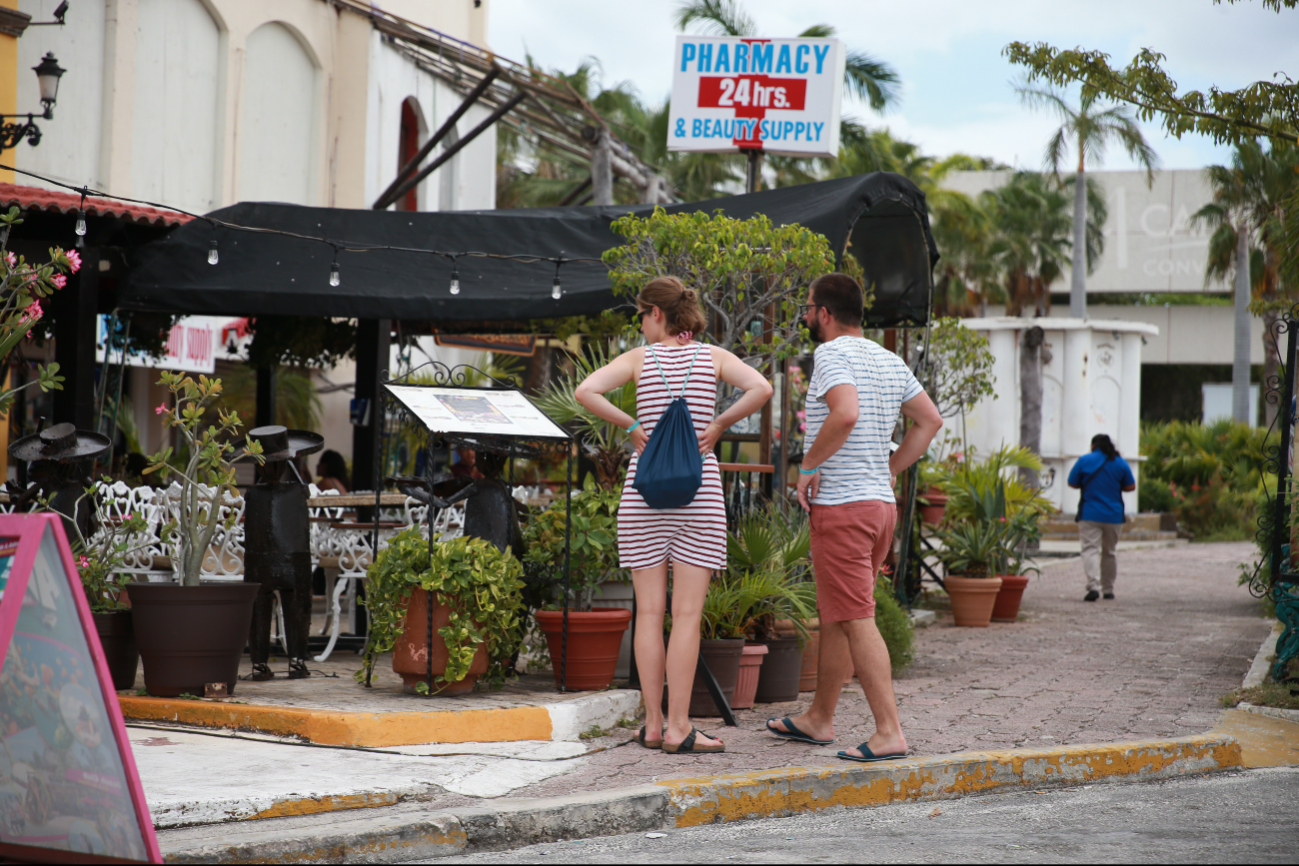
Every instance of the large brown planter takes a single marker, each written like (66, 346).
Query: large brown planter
(972, 599)
(594, 637)
(723, 657)
(190, 636)
(746, 684)
(1006, 608)
(810, 654)
(410, 655)
(781, 672)
(117, 638)
(933, 512)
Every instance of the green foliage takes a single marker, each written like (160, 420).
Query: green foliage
(969, 480)
(738, 267)
(959, 367)
(894, 624)
(970, 548)
(296, 403)
(479, 583)
(23, 285)
(593, 545)
(606, 443)
(209, 459)
(1209, 475)
(744, 604)
(768, 539)
(991, 516)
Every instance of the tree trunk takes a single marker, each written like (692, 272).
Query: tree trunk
(1030, 398)
(1271, 364)
(1240, 356)
(1078, 270)
(602, 170)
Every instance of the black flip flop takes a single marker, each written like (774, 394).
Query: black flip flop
(869, 757)
(688, 747)
(793, 733)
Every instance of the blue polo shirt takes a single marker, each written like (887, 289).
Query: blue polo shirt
(1103, 499)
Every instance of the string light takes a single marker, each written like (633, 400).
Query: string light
(212, 257)
(81, 219)
(455, 277)
(556, 290)
(334, 278)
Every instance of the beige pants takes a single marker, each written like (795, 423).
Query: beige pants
(1100, 542)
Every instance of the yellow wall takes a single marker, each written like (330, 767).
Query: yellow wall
(8, 78)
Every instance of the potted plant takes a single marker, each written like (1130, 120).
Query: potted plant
(467, 592)
(970, 550)
(1019, 532)
(192, 633)
(785, 620)
(588, 655)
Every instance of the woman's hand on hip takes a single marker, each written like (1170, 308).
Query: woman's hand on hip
(639, 439)
(708, 441)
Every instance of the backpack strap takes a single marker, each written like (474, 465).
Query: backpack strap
(664, 377)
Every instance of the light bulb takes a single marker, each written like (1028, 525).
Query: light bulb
(212, 257)
(455, 284)
(334, 278)
(81, 223)
(556, 290)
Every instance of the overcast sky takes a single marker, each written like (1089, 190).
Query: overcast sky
(957, 89)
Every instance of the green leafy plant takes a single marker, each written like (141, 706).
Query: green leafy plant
(206, 471)
(969, 482)
(769, 539)
(100, 556)
(604, 442)
(737, 604)
(479, 583)
(970, 548)
(593, 546)
(893, 622)
(23, 285)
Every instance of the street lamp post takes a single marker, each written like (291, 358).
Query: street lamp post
(48, 73)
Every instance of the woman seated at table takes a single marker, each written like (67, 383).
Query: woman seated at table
(332, 471)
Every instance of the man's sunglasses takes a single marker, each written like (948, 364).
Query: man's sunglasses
(803, 309)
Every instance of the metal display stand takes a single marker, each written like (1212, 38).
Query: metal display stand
(496, 418)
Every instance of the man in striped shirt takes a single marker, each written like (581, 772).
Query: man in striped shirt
(845, 483)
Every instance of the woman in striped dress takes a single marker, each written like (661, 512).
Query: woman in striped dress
(692, 538)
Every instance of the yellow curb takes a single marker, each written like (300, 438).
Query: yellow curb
(1264, 741)
(350, 729)
(317, 805)
(775, 793)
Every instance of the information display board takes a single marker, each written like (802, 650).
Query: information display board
(781, 96)
(69, 789)
(480, 411)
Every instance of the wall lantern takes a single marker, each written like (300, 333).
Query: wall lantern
(48, 73)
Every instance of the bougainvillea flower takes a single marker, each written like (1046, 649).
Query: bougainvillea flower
(74, 261)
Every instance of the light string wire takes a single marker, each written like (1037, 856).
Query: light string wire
(337, 245)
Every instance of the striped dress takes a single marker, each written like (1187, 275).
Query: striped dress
(696, 533)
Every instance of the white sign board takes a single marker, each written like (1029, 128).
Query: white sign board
(778, 95)
(473, 410)
(191, 346)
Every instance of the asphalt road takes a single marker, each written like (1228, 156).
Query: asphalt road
(1249, 816)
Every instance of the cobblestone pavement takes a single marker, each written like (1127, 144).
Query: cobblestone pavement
(1153, 663)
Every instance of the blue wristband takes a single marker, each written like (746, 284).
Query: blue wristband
(802, 471)
(633, 427)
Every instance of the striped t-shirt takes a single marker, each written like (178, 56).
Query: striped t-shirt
(859, 471)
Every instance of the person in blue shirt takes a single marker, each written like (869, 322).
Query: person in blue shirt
(1103, 477)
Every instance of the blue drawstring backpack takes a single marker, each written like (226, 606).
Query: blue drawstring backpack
(670, 470)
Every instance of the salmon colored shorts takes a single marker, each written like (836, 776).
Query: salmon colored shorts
(849, 544)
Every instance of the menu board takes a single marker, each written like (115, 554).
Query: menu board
(485, 411)
(68, 783)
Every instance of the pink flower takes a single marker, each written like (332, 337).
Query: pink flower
(11, 259)
(32, 312)
(74, 261)
(162, 407)
(82, 561)
(59, 280)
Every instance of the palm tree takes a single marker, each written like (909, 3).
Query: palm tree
(1087, 129)
(868, 79)
(1247, 215)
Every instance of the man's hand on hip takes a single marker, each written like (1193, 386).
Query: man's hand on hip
(808, 485)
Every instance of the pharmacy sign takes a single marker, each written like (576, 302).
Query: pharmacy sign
(780, 96)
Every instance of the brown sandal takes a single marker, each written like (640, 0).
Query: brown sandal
(648, 744)
(688, 747)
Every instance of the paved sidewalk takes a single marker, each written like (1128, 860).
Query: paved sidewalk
(1151, 664)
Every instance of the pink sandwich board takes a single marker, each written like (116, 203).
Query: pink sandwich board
(69, 790)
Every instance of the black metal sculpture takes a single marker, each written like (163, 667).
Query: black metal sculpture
(56, 460)
(491, 511)
(277, 547)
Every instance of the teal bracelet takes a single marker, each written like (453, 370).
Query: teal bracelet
(633, 427)
(802, 471)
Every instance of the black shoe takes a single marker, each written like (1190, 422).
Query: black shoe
(1109, 596)
(1091, 595)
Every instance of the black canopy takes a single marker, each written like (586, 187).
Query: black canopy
(270, 274)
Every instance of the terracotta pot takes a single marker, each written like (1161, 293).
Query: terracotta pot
(811, 650)
(723, 657)
(1009, 596)
(933, 512)
(972, 599)
(117, 637)
(746, 683)
(411, 654)
(594, 637)
(190, 636)
(781, 672)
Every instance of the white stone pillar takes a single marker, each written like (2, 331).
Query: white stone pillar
(1129, 443)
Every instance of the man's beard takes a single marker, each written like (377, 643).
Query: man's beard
(814, 329)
